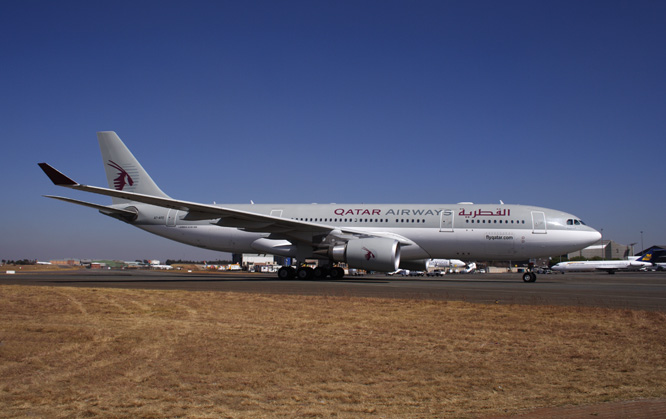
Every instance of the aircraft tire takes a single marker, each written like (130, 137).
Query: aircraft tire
(305, 273)
(337, 273)
(529, 277)
(285, 273)
(320, 273)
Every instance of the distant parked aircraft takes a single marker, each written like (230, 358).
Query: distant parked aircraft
(446, 263)
(610, 266)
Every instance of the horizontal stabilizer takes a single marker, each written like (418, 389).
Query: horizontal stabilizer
(122, 214)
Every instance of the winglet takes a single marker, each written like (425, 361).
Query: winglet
(55, 176)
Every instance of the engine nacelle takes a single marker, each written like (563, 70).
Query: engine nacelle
(373, 254)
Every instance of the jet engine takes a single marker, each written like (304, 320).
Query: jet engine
(372, 254)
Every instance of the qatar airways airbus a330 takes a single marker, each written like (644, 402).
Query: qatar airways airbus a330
(381, 237)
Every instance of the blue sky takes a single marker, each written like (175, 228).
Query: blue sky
(556, 104)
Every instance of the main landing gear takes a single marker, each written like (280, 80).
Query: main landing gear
(306, 273)
(529, 277)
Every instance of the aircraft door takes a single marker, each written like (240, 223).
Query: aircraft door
(446, 220)
(538, 222)
(172, 216)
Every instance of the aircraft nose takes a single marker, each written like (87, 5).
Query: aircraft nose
(594, 236)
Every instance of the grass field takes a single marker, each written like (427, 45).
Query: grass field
(76, 352)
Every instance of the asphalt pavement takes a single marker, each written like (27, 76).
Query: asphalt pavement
(627, 290)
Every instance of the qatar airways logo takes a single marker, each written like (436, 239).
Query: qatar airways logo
(123, 178)
(368, 254)
(390, 211)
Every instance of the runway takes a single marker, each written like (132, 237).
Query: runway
(631, 290)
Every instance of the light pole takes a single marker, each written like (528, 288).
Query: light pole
(642, 248)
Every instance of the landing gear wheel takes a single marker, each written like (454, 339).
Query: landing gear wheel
(337, 273)
(529, 277)
(304, 273)
(320, 273)
(286, 273)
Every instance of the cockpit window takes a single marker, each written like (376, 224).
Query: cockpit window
(571, 222)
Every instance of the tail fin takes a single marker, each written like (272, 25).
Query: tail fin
(123, 170)
(646, 257)
(653, 254)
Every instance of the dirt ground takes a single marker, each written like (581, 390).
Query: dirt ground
(75, 352)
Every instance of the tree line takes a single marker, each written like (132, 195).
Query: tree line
(19, 262)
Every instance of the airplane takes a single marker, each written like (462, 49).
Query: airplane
(610, 266)
(446, 263)
(373, 237)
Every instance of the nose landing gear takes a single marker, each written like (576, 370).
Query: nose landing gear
(529, 277)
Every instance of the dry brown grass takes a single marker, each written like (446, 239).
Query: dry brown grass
(73, 352)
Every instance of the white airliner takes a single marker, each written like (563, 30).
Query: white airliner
(611, 266)
(446, 263)
(380, 237)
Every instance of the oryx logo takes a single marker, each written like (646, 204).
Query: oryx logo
(123, 177)
(368, 255)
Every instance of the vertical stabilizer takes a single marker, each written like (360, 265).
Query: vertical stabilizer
(123, 170)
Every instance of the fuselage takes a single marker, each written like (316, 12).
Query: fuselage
(600, 265)
(461, 231)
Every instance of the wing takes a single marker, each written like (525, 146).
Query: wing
(227, 217)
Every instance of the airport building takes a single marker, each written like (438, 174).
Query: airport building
(606, 249)
(258, 262)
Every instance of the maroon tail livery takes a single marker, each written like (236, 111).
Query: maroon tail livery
(123, 177)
